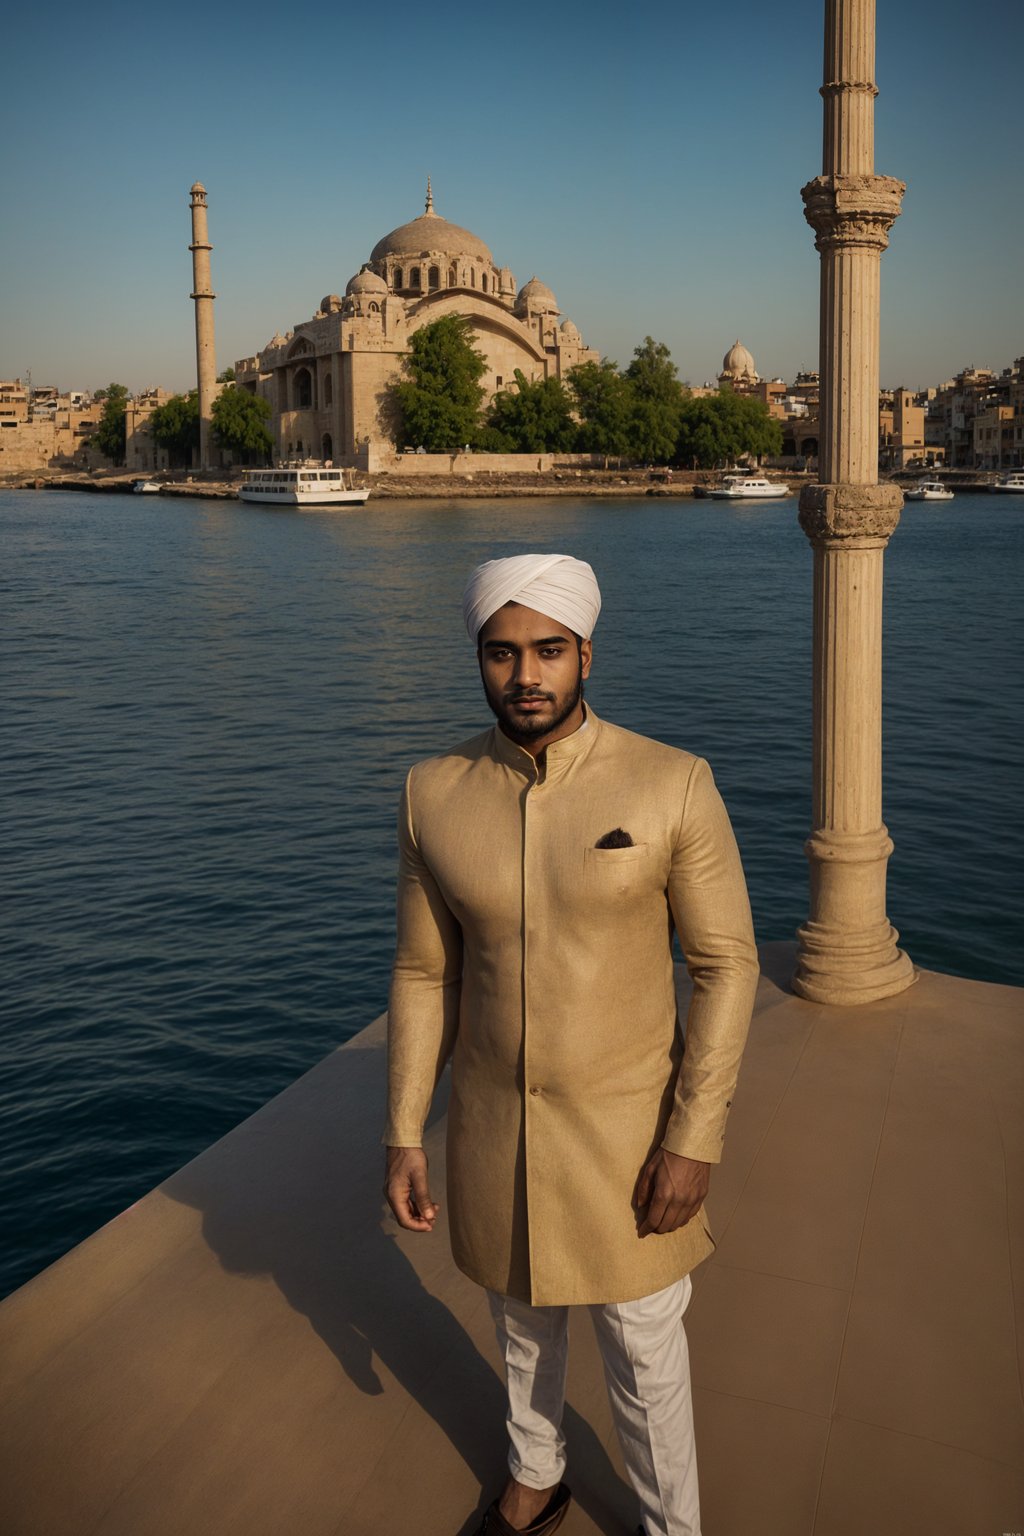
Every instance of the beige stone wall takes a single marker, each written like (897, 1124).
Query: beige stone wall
(54, 442)
(472, 464)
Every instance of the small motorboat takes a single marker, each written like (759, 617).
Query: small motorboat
(146, 487)
(928, 490)
(1011, 484)
(747, 488)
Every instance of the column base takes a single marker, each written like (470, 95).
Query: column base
(845, 968)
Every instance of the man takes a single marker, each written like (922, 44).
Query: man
(544, 866)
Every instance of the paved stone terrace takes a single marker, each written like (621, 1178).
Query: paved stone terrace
(252, 1351)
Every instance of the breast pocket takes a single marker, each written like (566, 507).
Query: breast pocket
(611, 858)
(610, 874)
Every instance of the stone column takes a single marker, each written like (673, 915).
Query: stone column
(848, 950)
(206, 365)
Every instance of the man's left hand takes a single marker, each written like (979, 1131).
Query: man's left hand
(669, 1190)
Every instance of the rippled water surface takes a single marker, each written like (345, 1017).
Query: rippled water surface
(208, 712)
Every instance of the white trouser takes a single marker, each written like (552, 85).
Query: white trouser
(647, 1371)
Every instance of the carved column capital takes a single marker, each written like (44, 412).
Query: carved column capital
(850, 516)
(852, 211)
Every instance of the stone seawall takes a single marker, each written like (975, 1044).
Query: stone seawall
(417, 486)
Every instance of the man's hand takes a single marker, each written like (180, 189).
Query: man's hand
(669, 1190)
(407, 1191)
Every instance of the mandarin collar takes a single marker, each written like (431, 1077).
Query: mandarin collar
(557, 756)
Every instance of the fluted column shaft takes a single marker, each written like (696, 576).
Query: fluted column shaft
(203, 296)
(848, 950)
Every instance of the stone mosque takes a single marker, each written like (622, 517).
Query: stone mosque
(326, 380)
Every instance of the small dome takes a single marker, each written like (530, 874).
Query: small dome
(537, 296)
(197, 186)
(738, 362)
(366, 282)
(569, 331)
(330, 305)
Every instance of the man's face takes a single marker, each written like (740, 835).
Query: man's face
(533, 672)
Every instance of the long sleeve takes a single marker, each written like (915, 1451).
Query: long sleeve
(708, 897)
(423, 1009)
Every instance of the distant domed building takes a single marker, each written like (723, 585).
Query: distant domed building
(738, 370)
(326, 381)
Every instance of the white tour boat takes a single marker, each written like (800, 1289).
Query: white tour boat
(301, 486)
(1012, 484)
(146, 487)
(928, 490)
(747, 488)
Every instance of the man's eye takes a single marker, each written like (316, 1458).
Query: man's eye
(552, 650)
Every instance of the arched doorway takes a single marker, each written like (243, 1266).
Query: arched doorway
(326, 447)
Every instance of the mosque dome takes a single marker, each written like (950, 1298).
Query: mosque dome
(430, 234)
(537, 296)
(366, 282)
(569, 331)
(330, 304)
(738, 363)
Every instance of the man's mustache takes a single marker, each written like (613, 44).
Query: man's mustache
(516, 695)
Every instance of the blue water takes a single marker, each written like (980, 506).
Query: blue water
(208, 712)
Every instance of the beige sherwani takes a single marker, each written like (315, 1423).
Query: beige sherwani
(541, 965)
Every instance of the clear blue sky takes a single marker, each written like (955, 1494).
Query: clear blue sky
(644, 161)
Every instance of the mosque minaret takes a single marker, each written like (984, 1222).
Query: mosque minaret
(203, 295)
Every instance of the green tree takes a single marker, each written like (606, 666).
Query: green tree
(175, 426)
(227, 377)
(438, 406)
(109, 436)
(535, 417)
(603, 403)
(657, 398)
(240, 424)
(718, 429)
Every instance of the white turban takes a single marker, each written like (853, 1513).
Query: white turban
(563, 588)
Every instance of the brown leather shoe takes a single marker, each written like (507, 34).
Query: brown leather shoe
(548, 1521)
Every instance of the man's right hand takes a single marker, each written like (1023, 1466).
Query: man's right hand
(407, 1190)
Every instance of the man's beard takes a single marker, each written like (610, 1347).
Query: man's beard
(525, 728)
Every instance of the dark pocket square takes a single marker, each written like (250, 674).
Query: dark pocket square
(616, 839)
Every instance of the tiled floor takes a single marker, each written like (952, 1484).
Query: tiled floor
(251, 1349)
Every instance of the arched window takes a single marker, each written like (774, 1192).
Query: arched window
(326, 447)
(398, 278)
(453, 277)
(374, 307)
(472, 277)
(328, 389)
(303, 387)
(483, 281)
(414, 278)
(433, 279)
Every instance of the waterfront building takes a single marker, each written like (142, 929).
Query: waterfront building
(326, 380)
(41, 428)
(141, 452)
